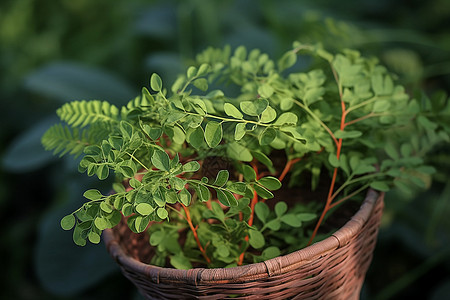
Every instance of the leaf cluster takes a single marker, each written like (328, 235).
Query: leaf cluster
(343, 114)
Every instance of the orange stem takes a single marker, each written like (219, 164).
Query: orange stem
(194, 231)
(328, 205)
(252, 207)
(287, 167)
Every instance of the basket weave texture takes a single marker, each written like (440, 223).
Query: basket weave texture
(333, 268)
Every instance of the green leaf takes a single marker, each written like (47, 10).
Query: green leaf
(101, 223)
(126, 129)
(238, 152)
(185, 197)
(291, 220)
(347, 134)
(127, 209)
(254, 108)
(270, 183)
(363, 169)
(178, 135)
(280, 208)
(106, 207)
(256, 239)
(156, 82)
(262, 158)
(94, 238)
(144, 209)
(226, 198)
(213, 133)
(263, 192)
(216, 212)
(161, 160)
(237, 187)
(102, 172)
(170, 196)
(305, 217)
(156, 237)
(265, 91)
(270, 252)
(203, 69)
(274, 224)
(180, 261)
(162, 213)
(262, 211)
(287, 118)
(221, 178)
(333, 160)
(426, 123)
(381, 106)
(203, 193)
(68, 222)
(392, 151)
(267, 136)
(93, 194)
(232, 111)
(249, 173)
(174, 116)
(196, 137)
(239, 132)
(201, 84)
(287, 60)
(268, 115)
(192, 166)
(380, 186)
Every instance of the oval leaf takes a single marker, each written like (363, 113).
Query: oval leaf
(270, 183)
(256, 239)
(156, 82)
(239, 132)
(144, 209)
(161, 160)
(213, 133)
(92, 194)
(232, 111)
(68, 222)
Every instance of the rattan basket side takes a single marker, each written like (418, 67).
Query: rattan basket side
(330, 269)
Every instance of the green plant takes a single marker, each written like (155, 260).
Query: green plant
(232, 129)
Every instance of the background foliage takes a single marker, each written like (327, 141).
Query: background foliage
(53, 52)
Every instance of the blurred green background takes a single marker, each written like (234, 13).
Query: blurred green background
(55, 51)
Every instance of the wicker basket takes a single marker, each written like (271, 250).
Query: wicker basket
(331, 269)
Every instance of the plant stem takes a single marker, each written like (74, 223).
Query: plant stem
(252, 207)
(287, 167)
(338, 153)
(194, 232)
(370, 115)
(349, 196)
(137, 160)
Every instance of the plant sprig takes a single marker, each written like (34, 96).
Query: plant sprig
(343, 115)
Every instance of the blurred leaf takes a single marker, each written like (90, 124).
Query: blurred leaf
(26, 153)
(159, 22)
(69, 81)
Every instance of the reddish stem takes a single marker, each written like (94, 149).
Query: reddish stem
(287, 167)
(194, 231)
(328, 204)
(252, 207)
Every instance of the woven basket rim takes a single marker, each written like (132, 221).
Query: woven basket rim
(250, 272)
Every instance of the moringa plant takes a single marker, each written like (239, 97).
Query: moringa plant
(203, 160)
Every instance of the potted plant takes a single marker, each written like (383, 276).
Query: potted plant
(223, 177)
